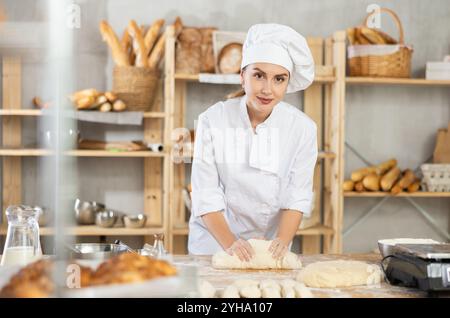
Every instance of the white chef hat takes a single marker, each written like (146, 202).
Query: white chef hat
(281, 45)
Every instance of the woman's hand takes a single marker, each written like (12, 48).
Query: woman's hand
(242, 249)
(278, 248)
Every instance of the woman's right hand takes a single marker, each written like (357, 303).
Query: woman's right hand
(242, 249)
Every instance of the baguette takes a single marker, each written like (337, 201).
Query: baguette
(359, 187)
(152, 34)
(372, 36)
(158, 50)
(359, 38)
(359, 174)
(138, 44)
(351, 36)
(108, 35)
(389, 178)
(348, 185)
(128, 46)
(372, 182)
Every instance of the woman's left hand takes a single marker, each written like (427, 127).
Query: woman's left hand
(278, 248)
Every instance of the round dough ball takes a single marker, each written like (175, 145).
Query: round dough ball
(206, 289)
(270, 292)
(231, 292)
(250, 292)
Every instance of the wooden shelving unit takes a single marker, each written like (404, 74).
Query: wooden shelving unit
(156, 125)
(324, 104)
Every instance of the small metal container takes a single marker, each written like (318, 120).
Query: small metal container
(97, 251)
(106, 218)
(135, 221)
(85, 211)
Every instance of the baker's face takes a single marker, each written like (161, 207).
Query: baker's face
(265, 85)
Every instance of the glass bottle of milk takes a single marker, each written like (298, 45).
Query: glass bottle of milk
(22, 245)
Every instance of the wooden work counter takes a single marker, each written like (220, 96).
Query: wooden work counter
(222, 278)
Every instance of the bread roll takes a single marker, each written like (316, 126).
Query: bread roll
(359, 174)
(120, 57)
(405, 181)
(138, 44)
(348, 185)
(372, 182)
(111, 97)
(389, 178)
(84, 93)
(105, 107)
(359, 38)
(85, 102)
(382, 168)
(359, 187)
(152, 34)
(414, 187)
(119, 106)
(372, 36)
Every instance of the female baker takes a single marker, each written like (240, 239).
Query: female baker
(254, 155)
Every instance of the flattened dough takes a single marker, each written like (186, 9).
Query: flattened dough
(261, 260)
(332, 274)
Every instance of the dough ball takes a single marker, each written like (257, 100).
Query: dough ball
(288, 283)
(287, 292)
(333, 274)
(206, 289)
(270, 292)
(231, 292)
(301, 291)
(250, 292)
(269, 283)
(245, 282)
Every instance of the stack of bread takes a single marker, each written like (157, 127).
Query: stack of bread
(91, 99)
(138, 46)
(386, 177)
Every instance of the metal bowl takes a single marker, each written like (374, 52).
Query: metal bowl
(106, 218)
(85, 211)
(135, 221)
(97, 251)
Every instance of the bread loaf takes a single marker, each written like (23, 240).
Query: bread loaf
(229, 59)
(119, 106)
(388, 180)
(414, 187)
(105, 107)
(188, 51)
(382, 168)
(207, 62)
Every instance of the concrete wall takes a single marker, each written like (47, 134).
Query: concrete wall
(382, 122)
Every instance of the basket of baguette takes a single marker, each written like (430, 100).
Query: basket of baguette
(374, 53)
(137, 57)
(386, 177)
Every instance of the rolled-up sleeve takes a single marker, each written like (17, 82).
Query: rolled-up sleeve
(298, 194)
(207, 194)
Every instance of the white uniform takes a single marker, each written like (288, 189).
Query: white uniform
(250, 176)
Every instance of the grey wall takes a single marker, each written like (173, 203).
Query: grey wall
(382, 121)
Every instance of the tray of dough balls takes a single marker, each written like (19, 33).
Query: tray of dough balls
(263, 276)
(124, 275)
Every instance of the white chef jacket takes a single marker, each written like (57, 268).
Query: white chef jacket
(250, 176)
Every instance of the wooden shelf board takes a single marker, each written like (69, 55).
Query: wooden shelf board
(395, 81)
(418, 194)
(38, 112)
(80, 153)
(92, 230)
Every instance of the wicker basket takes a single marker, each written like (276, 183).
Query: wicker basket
(136, 86)
(374, 63)
(436, 177)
